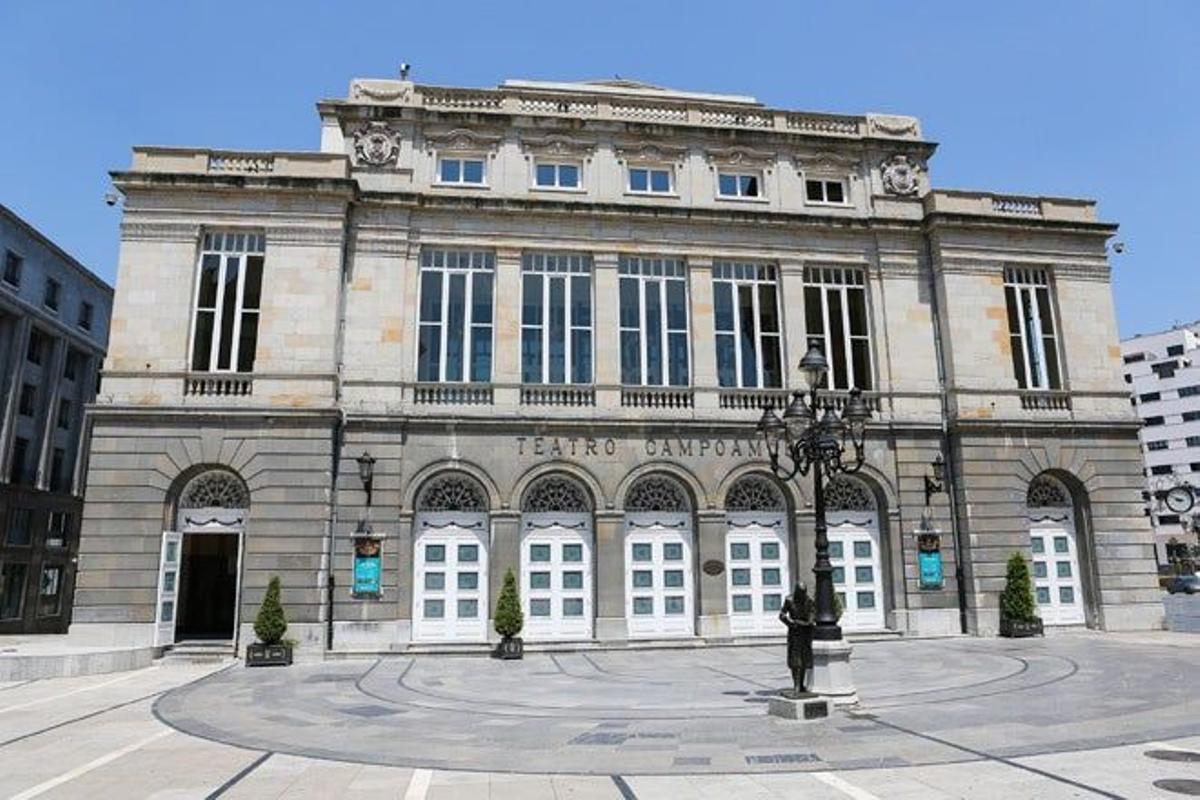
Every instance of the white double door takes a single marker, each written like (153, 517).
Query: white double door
(659, 584)
(857, 569)
(757, 553)
(556, 575)
(450, 571)
(1056, 585)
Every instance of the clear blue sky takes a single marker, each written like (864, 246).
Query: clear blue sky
(1093, 99)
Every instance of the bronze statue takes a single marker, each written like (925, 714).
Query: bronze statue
(797, 614)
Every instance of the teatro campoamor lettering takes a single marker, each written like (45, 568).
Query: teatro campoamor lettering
(672, 446)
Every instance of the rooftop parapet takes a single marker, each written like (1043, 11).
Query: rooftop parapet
(1007, 206)
(202, 161)
(627, 102)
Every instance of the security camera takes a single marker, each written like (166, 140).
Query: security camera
(1118, 247)
(404, 68)
(111, 198)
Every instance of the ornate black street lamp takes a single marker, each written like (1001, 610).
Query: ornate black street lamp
(366, 472)
(815, 439)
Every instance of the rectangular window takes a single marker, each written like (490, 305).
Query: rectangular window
(746, 317)
(1191, 416)
(1031, 328)
(12, 268)
(1150, 422)
(653, 321)
(20, 454)
(86, 312)
(1161, 444)
(58, 528)
(1161, 469)
(58, 477)
(20, 527)
(1168, 519)
(739, 184)
(64, 414)
(1166, 369)
(1149, 397)
(1193, 441)
(835, 309)
(461, 171)
(454, 340)
(825, 192)
(12, 589)
(37, 343)
(228, 298)
(651, 180)
(1189, 391)
(1175, 350)
(556, 318)
(50, 591)
(71, 365)
(1133, 358)
(28, 400)
(548, 175)
(50, 296)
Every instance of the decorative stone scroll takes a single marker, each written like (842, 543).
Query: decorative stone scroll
(556, 493)
(657, 493)
(1046, 492)
(754, 493)
(848, 494)
(452, 493)
(215, 488)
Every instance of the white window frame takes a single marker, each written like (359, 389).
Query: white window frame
(461, 158)
(825, 180)
(226, 244)
(841, 280)
(737, 175)
(558, 164)
(487, 264)
(1024, 283)
(650, 169)
(764, 273)
(660, 270)
(566, 266)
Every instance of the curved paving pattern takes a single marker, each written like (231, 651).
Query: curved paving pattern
(664, 712)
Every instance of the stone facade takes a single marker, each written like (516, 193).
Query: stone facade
(337, 369)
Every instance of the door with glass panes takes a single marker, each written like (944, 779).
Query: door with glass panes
(857, 573)
(1056, 585)
(450, 599)
(757, 553)
(556, 575)
(658, 574)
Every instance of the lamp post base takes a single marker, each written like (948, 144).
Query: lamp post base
(832, 676)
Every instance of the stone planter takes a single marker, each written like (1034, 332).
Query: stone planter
(509, 648)
(268, 655)
(1014, 629)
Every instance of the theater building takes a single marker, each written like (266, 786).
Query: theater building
(532, 328)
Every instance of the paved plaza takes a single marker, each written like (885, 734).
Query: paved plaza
(1071, 715)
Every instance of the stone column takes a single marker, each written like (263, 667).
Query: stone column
(791, 302)
(712, 590)
(607, 323)
(52, 390)
(610, 576)
(704, 345)
(20, 344)
(506, 360)
(503, 554)
(405, 536)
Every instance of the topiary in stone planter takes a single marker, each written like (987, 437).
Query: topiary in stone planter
(509, 620)
(1018, 617)
(269, 626)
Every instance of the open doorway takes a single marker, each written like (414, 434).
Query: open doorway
(207, 586)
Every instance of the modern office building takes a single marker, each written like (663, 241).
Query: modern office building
(1163, 373)
(532, 328)
(53, 331)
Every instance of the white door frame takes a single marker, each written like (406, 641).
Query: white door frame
(1048, 524)
(170, 560)
(842, 526)
(659, 527)
(199, 522)
(451, 528)
(755, 528)
(557, 528)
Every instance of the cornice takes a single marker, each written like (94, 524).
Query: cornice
(155, 231)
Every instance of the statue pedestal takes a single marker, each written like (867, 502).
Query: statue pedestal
(832, 676)
(806, 707)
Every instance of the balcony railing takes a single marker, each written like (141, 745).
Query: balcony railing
(218, 385)
(577, 396)
(836, 399)
(753, 399)
(1046, 401)
(452, 394)
(656, 397)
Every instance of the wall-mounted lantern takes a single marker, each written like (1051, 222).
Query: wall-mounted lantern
(935, 484)
(366, 472)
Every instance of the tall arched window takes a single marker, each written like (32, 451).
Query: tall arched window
(757, 543)
(215, 488)
(556, 559)
(659, 546)
(450, 560)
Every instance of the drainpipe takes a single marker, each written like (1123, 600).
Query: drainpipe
(339, 428)
(947, 450)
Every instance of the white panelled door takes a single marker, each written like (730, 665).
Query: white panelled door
(168, 588)
(556, 575)
(1055, 568)
(857, 569)
(450, 569)
(757, 552)
(658, 574)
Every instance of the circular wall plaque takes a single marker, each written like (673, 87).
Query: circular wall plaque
(713, 567)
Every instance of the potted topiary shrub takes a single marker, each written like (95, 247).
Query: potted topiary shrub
(1018, 617)
(509, 620)
(269, 626)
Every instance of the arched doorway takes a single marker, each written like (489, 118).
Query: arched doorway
(853, 528)
(450, 561)
(756, 545)
(199, 580)
(1054, 548)
(659, 547)
(556, 559)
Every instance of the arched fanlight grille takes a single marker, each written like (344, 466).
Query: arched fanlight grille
(215, 488)
(754, 493)
(657, 493)
(1046, 492)
(453, 492)
(556, 493)
(848, 494)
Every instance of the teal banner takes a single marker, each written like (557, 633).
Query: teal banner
(368, 567)
(930, 565)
